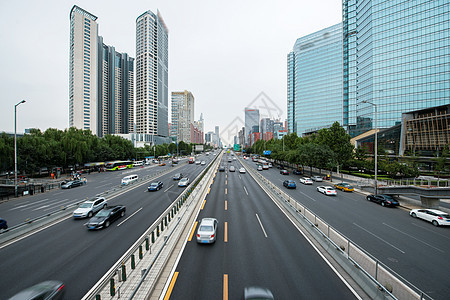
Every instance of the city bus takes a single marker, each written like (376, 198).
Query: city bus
(118, 165)
(191, 160)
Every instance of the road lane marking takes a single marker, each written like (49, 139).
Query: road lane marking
(172, 284)
(203, 205)
(433, 231)
(225, 286)
(379, 238)
(192, 232)
(260, 224)
(226, 205)
(226, 182)
(209, 190)
(240, 177)
(45, 206)
(226, 232)
(168, 188)
(245, 190)
(414, 237)
(129, 217)
(226, 192)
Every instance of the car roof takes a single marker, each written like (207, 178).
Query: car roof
(440, 212)
(206, 221)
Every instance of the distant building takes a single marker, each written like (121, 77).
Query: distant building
(266, 125)
(152, 61)
(182, 115)
(251, 119)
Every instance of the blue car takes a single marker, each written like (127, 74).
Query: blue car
(3, 224)
(154, 186)
(290, 184)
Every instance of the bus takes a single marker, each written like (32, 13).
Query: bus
(191, 160)
(118, 165)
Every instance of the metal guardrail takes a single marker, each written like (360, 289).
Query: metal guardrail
(377, 279)
(147, 239)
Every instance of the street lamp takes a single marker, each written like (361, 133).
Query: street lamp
(376, 144)
(15, 146)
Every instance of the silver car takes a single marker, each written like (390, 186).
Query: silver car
(183, 182)
(317, 178)
(207, 231)
(88, 208)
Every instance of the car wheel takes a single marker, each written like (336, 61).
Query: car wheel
(122, 214)
(107, 224)
(383, 204)
(90, 214)
(414, 215)
(368, 198)
(104, 206)
(435, 223)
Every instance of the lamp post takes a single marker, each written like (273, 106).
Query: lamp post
(376, 144)
(15, 146)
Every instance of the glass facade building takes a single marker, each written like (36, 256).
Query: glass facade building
(396, 56)
(315, 81)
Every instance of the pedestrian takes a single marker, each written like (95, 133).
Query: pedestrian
(84, 181)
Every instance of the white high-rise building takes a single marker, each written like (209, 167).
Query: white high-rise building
(152, 95)
(182, 115)
(83, 76)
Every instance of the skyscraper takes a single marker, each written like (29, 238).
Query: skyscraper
(315, 81)
(182, 115)
(397, 56)
(83, 76)
(251, 119)
(152, 60)
(115, 86)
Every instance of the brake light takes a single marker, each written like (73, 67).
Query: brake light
(198, 235)
(440, 218)
(212, 235)
(61, 287)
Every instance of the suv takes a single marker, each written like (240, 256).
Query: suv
(90, 207)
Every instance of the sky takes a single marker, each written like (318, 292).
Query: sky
(229, 54)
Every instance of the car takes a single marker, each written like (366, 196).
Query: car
(234, 158)
(327, 190)
(344, 186)
(297, 172)
(183, 182)
(221, 169)
(129, 179)
(46, 290)
(232, 169)
(203, 163)
(257, 293)
(384, 200)
(436, 217)
(284, 172)
(198, 162)
(177, 176)
(229, 160)
(90, 207)
(290, 184)
(317, 178)
(242, 170)
(71, 184)
(207, 231)
(162, 164)
(270, 165)
(3, 224)
(105, 217)
(155, 186)
(259, 168)
(306, 180)
(265, 167)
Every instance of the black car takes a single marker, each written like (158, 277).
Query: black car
(106, 216)
(155, 186)
(221, 169)
(284, 172)
(3, 224)
(45, 290)
(297, 172)
(384, 200)
(71, 184)
(177, 176)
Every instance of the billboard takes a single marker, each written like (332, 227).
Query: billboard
(199, 148)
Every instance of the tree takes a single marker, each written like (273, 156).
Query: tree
(338, 141)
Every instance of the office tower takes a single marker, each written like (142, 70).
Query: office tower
(266, 125)
(83, 70)
(182, 115)
(396, 56)
(315, 81)
(115, 86)
(251, 119)
(152, 75)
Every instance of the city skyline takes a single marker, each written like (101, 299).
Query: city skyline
(191, 47)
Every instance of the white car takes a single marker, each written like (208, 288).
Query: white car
(327, 190)
(198, 162)
(317, 178)
(265, 167)
(242, 170)
(306, 180)
(436, 217)
(183, 182)
(231, 169)
(207, 231)
(203, 163)
(88, 208)
(260, 168)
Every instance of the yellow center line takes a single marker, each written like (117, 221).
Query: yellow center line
(226, 206)
(225, 286)
(209, 190)
(172, 283)
(192, 232)
(226, 232)
(204, 201)
(226, 182)
(226, 191)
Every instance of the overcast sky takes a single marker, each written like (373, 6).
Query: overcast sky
(225, 52)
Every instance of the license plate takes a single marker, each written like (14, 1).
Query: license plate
(205, 242)
(92, 227)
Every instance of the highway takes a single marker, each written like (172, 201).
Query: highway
(413, 248)
(69, 252)
(256, 246)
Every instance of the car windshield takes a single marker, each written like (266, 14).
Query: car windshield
(103, 213)
(447, 216)
(177, 175)
(206, 228)
(154, 184)
(86, 205)
(387, 197)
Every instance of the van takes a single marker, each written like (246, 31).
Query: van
(138, 163)
(129, 179)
